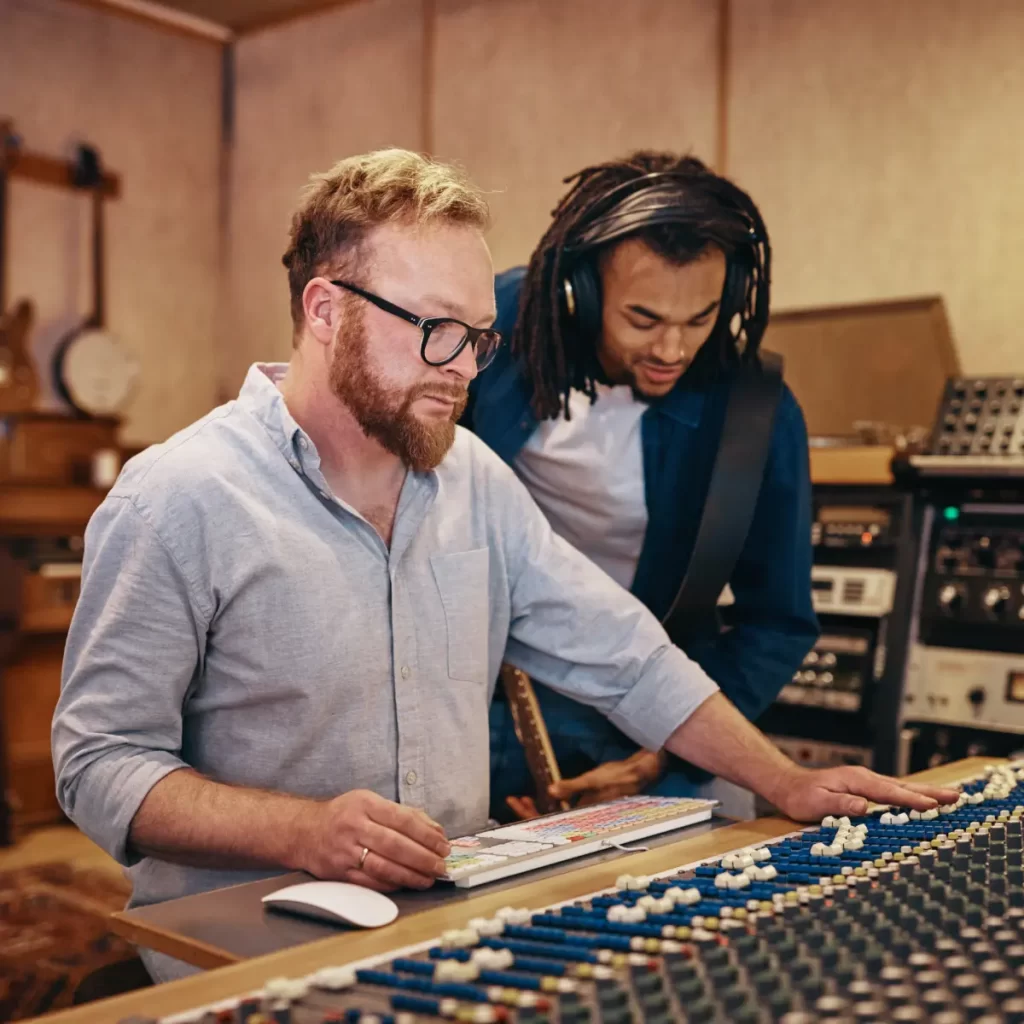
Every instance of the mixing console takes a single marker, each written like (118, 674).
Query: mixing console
(888, 917)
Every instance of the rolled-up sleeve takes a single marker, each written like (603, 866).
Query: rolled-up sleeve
(134, 648)
(576, 630)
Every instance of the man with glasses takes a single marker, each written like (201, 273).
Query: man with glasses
(293, 612)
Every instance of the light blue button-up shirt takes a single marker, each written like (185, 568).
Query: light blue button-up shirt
(238, 618)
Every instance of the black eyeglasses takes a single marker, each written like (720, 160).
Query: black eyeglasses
(443, 337)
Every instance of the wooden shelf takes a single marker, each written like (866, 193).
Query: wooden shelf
(48, 600)
(31, 686)
(39, 510)
(47, 170)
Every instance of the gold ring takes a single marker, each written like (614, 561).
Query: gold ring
(363, 856)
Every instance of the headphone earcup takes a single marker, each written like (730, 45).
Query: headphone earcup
(732, 299)
(584, 313)
(734, 294)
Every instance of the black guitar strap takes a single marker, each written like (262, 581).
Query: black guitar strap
(732, 496)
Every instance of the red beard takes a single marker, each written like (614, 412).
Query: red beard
(385, 413)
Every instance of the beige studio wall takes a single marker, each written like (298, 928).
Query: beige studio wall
(878, 138)
(308, 92)
(881, 141)
(884, 144)
(553, 87)
(505, 87)
(149, 100)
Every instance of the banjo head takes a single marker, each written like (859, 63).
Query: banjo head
(96, 372)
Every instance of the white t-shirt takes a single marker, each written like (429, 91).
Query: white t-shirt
(587, 476)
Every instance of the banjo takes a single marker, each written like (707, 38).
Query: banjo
(93, 372)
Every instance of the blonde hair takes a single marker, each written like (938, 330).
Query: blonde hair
(388, 186)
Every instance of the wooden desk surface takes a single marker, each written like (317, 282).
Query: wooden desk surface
(226, 926)
(226, 982)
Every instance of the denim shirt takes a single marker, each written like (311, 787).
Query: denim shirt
(773, 624)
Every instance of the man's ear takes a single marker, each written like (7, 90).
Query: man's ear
(321, 311)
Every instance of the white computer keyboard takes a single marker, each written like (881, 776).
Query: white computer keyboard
(497, 853)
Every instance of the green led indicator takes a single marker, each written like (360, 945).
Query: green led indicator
(951, 512)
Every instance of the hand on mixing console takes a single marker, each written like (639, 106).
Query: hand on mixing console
(362, 838)
(719, 739)
(807, 795)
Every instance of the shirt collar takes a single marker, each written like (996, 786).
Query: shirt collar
(683, 404)
(261, 397)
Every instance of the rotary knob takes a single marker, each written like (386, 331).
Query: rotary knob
(995, 601)
(951, 598)
(985, 553)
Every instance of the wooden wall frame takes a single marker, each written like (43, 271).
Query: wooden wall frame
(48, 170)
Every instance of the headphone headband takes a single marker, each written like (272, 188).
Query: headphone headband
(660, 202)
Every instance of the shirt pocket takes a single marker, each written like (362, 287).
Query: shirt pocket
(462, 579)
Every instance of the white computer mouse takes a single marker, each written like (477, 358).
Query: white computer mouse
(336, 902)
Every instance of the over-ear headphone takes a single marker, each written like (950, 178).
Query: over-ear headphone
(650, 200)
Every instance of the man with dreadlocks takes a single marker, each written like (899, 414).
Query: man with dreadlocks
(641, 303)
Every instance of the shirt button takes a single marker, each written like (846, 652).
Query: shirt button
(410, 778)
(303, 443)
(405, 671)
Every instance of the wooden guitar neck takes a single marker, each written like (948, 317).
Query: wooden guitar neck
(533, 734)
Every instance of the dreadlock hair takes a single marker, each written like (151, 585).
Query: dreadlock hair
(712, 211)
